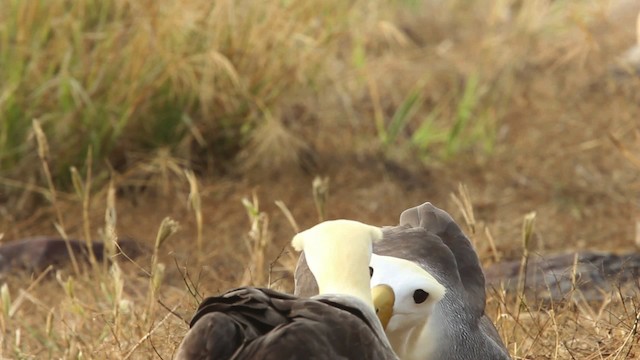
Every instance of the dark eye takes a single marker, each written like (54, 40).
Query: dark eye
(370, 271)
(420, 296)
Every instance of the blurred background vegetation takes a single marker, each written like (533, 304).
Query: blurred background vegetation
(216, 82)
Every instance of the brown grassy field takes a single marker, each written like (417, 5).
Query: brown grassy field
(221, 117)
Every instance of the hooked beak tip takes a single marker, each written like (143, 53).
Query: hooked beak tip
(383, 301)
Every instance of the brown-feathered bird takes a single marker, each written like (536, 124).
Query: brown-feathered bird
(340, 323)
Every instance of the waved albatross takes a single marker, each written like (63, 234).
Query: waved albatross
(457, 327)
(340, 323)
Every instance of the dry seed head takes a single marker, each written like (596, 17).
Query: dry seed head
(320, 186)
(78, 185)
(194, 193)
(18, 338)
(110, 216)
(49, 323)
(118, 282)
(43, 146)
(110, 220)
(167, 228)
(6, 300)
(252, 207)
(527, 229)
(125, 306)
(638, 29)
(196, 205)
(158, 276)
(320, 189)
(66, 285)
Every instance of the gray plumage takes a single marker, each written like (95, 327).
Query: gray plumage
(429, 237)
(253, 323)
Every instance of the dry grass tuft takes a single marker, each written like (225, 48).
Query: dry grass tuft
(256, 242)
(196, 77)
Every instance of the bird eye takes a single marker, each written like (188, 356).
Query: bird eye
(370, 271)
(420, 296)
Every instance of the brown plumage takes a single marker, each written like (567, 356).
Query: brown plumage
(252, 323)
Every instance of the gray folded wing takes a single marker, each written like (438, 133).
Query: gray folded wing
(442, 225)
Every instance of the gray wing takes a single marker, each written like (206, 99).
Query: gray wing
(440, 223)
(472, 334)
(250, 323)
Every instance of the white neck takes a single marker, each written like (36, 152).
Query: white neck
(338, 253)
(409, 343)
(341, 267)
(350, 278)
(404, 341)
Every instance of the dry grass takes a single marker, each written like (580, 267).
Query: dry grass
(128, 310)
(572, 328)
(122, 76)
(396, 101)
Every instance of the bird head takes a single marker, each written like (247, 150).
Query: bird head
(338, 254)
(404, 294)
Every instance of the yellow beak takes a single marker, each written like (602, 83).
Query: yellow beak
(383, 300)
